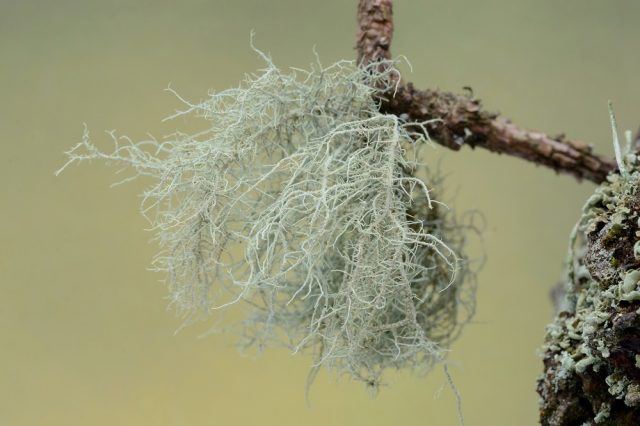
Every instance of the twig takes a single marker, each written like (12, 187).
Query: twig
(462, 121)
(375, 30)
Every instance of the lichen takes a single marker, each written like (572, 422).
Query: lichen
(590, 350)
(632, 396)
(344, 250)
(603, 413)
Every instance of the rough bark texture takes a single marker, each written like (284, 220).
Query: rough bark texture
(375, 30)
(574, 398)
(462, 121)
(592, 349)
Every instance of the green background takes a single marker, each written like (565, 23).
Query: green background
(86, 338)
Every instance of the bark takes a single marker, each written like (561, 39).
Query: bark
(592, 349)
(375, 30)
(461, 120)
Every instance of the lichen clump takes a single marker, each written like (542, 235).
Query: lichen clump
(591, 349)
(301, 200)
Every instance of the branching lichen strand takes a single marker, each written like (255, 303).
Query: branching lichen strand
(343, 250)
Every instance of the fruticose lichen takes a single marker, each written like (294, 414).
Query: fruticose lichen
(302, 201)
(591, 348)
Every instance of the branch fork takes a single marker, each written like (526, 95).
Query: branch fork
(460, 120)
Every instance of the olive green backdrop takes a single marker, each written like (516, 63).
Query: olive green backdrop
(85, 335)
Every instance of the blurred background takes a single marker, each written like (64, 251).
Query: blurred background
(85, 335)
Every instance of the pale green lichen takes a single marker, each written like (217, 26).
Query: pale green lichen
(630, 281)
(590, 302)
(602, 290)
(617, 385)
(301, 199)
(632, 396)
(636, 250)
(603, 413)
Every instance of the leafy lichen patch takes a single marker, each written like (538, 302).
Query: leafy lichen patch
(590, 350)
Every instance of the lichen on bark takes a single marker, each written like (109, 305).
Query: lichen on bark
(592, 366)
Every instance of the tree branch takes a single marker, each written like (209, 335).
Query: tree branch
(461, 119)
(375, 30)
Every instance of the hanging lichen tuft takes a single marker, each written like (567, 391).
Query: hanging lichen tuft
(302, 201)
